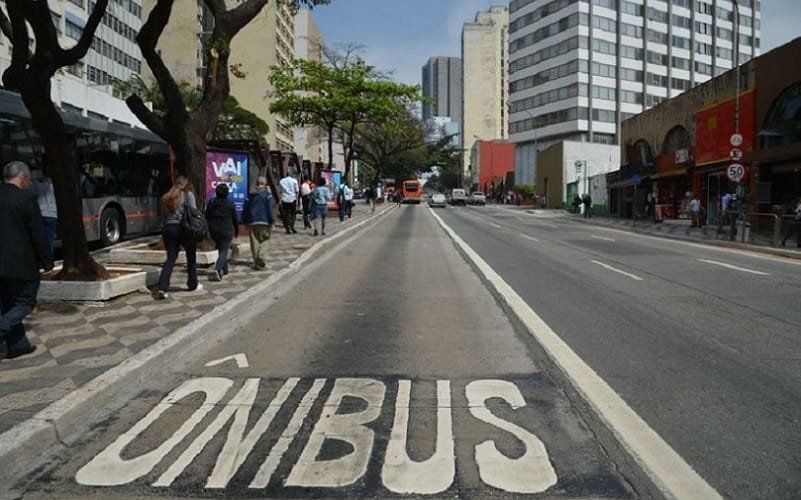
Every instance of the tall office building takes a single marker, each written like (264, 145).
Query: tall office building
(485, 93)
(442, 83)
(579, 67)
(87, 87)
(266, 41)
(310, 140)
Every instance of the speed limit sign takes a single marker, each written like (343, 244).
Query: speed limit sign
(735, 172)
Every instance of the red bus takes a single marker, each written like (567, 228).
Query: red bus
(411, 191)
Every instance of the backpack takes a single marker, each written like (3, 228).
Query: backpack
(318, 196)
(193, 224)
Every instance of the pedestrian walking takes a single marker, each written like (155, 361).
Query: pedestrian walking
(288, 191)
(342, 211)
(369, 196)
(586, 200)
(23, 248)
(258, 215)
(695, 211)
(348, 195)
(305, 200)
(46, 197)
(175, 202)
(223, 228)
(794, 224)
(320, 198)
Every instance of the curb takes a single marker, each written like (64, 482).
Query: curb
(56, 427)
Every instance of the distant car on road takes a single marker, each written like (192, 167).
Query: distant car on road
(437, 200)
(458, 197)
(477, 198)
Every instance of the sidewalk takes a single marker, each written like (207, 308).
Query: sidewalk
(680, 230)
(77, 342)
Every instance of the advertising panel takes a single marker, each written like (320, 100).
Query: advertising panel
(714, 126)
(231, 169)
(333, 178)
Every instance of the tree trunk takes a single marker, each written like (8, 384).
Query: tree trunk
(78, 264)
(189, 147)
(330, 148)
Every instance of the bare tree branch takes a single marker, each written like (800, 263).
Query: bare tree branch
(150, 119)
(14, 76)
(236, 18)
(72, 55)
(5, 25)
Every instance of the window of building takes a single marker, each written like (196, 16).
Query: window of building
(72, 30)
(782, 124)
(79, 3)
(680, 63)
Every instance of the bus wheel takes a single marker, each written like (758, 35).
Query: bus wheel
(110, 226)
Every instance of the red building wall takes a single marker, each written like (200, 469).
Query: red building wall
(496, 159)
(715, 125)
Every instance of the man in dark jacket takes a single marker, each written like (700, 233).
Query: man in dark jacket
(258, 215)
(22, 247)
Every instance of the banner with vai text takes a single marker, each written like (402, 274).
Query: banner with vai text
(223, 167)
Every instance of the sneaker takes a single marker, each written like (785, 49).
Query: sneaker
(216, 276)
(197, 288)
(316, 233)
(161, 295)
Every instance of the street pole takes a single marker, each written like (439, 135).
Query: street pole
(741, 217)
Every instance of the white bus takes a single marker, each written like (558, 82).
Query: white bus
(122, 170)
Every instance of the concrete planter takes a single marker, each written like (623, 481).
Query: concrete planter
(143, 254)
(128, 281)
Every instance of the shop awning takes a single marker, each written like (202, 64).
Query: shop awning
(669, 173)
(623, 184)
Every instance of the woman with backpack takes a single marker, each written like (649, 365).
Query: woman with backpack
(175, 202)
(223, 228)
(320, 198)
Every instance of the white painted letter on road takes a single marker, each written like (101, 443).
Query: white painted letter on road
(350, 428)
(532, 472)
(108, 468)
(402, 475)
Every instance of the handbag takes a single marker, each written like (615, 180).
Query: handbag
(193, 224)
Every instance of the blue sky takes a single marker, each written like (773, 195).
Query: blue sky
(400, 35)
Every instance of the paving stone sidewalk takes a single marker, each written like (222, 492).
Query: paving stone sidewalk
(76, 342)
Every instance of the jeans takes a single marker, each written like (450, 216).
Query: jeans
(288, 215)
(17, 298)
(223, 243)
(306, 202)
(50, 224)
(173, 240)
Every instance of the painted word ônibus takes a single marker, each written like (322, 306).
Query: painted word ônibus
(531, 472)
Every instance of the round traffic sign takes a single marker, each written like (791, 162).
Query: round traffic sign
(736, 140)
(736, 154)
(735, 172)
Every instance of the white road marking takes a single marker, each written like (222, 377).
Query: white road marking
(552, 226)
(532, 472)
(400, 473)
(607, 266)
(351, 428)
(672, 475)
(496, 226)
(241, 360)
(602, 238)
(529, 237)
(736, 268)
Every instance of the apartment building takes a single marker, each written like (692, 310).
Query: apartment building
(485, 92)
(579, 67)
(266, 41)
(88, 86)
(442, 84)
(310, 142)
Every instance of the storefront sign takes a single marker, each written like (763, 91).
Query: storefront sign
(231, 169)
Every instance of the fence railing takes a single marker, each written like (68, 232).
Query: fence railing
(760, 228)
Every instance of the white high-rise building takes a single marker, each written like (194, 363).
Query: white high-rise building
(579, 67)
(442, 83)
(485, 89)
(88, 86)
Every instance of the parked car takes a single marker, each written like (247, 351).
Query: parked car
(437, 200)
(458, 197)
(477, 198)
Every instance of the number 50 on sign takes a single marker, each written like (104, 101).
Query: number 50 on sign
(735, 172)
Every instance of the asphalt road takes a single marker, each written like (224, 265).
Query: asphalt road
(388, 370)
(703, 343)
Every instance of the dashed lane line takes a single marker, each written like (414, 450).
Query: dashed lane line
(624, 273)
(604, 238)
(736, 268)
(529, 237)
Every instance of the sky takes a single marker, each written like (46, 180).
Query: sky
(400, 35)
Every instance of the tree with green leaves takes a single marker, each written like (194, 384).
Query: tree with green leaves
(30, 73)
(186, 128)
(337, 96)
